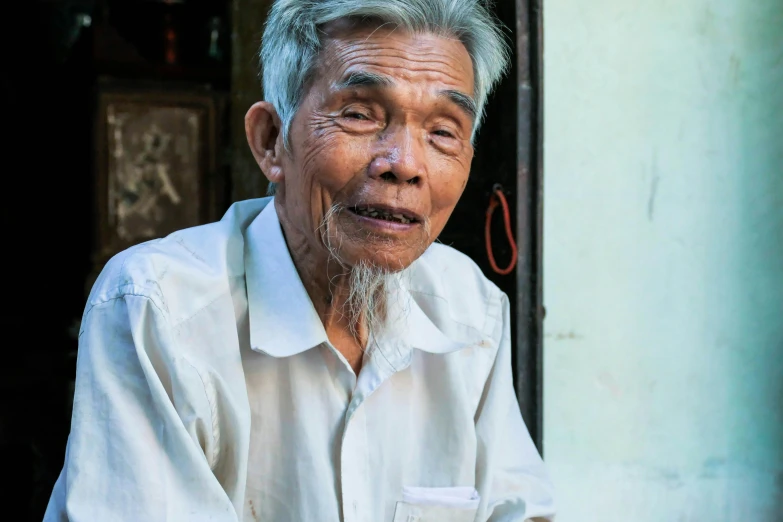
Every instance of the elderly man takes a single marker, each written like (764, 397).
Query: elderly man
(314, 356)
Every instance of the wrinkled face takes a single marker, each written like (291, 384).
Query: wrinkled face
(383, 136)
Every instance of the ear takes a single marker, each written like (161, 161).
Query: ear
(264, 135)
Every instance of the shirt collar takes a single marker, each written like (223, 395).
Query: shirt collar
(283, 320)
(409, 323)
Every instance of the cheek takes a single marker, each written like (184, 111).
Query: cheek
(444, 198)
(447, 189)
(331, 160)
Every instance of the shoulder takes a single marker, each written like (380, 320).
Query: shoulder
(456, 294)
(184, 271)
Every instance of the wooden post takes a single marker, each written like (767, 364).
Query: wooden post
(530, 214)
(248, 17)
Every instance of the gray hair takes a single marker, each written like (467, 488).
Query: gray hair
(291, 42)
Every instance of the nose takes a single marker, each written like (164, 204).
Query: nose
(400, 158)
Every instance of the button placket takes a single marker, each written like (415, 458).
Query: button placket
(354, 456)
(354, 468)
(343, 378)
(354, 451)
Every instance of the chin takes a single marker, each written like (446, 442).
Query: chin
(389, 260)
(363, 241)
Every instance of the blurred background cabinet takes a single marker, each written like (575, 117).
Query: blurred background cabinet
(83, 83)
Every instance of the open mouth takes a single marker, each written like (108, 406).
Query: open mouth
(395, 216)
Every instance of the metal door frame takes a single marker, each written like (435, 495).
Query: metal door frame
(529, 345)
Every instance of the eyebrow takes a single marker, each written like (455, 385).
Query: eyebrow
(371, 79)
(464, 102)
(364, 79)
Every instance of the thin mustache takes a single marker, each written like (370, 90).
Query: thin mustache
(324, 230)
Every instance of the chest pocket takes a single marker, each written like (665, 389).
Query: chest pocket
(406, 512)
(437, 505)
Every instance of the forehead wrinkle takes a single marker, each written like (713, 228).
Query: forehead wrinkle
(347, 53)
(403, 49)
(412, 61)
(415, 57)
(407, 70)
(424, 42)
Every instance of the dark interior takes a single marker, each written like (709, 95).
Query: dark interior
(53, 55)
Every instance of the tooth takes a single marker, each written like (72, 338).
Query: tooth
(374, 214)
(398, 216)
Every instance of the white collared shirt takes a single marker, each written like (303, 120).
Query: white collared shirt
(207, 389)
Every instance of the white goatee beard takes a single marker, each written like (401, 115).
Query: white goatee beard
(369, 292)
(369, 285)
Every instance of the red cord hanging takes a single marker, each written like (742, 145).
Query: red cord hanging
(497, 198)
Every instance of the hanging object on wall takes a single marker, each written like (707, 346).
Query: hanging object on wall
(170, 41)
(215, 49)
(156, 158)
(498, 198)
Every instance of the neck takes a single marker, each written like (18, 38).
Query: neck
(350, 301)
(326, 281)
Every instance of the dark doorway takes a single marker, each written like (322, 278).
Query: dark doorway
(51, 67)
(54, 52)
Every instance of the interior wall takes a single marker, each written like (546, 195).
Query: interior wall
(663, 259)
(247, 23)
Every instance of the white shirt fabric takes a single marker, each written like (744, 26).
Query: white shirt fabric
(207, 390)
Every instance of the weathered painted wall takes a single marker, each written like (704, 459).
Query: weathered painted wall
(664, 259)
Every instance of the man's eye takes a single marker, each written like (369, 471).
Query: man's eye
(443, 133)
(356, 116)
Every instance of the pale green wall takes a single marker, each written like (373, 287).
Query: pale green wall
(663, 259)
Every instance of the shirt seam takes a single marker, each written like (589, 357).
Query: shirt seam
(211, 459)
(150, 298)
(121, 296)
(490, 303)
(187, 319)
(494, 312)
(451, 317)
(213, 455)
